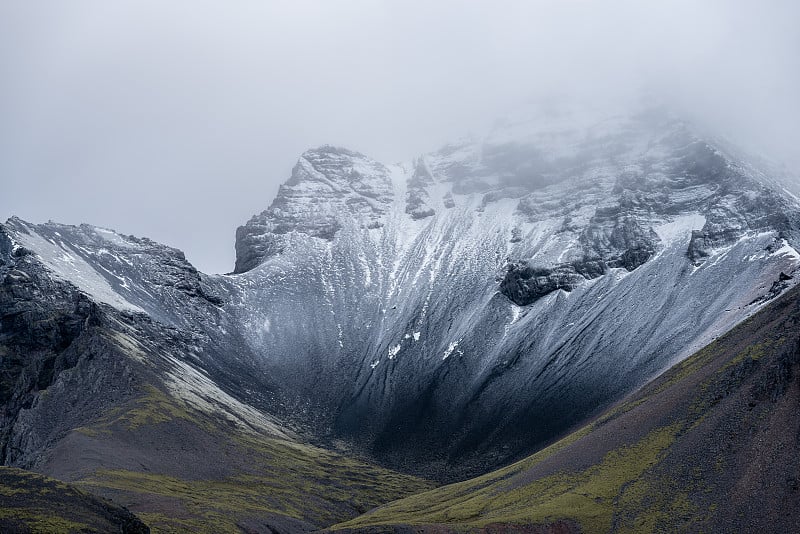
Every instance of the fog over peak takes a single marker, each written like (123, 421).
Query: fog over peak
(179, 120)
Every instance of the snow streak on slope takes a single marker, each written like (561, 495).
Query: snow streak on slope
(67, 265)
(515, 284)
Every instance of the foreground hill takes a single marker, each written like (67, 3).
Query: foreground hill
(32, 503)
(713, 445)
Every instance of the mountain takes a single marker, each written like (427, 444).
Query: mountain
(465, 308)
(437, 318)
(713, 445)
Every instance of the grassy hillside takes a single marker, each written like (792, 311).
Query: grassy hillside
(183, 470)
(32, 503)
(713, 445)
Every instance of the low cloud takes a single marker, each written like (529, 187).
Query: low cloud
(178, 120)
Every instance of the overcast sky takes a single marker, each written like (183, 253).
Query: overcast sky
(177, 120)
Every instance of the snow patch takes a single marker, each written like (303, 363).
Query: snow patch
(111, 236)
(452, 347)
(680, 229)
(516, 313)
(75, 270)
(787, 251)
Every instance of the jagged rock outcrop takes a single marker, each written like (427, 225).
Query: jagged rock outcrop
(79, 309)
(740, 211)
(524, 284)
(328, 186)
(624, 245)
(417, 194)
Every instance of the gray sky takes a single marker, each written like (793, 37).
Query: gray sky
(177, 120)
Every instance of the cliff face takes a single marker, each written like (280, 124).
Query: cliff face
(328, 185)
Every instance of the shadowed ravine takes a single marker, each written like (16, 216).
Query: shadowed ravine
(713, 445)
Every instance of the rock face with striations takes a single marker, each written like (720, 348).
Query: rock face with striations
(455, 312)
(328, 186)
(504, 289)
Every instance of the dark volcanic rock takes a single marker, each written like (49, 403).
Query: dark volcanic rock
(52, 358)
(624, 245)
(372, 319)
(417, 196)
(524, 284)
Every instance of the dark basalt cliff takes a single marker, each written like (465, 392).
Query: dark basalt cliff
(55, 365)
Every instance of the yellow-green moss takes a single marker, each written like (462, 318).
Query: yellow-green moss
(281, 477)
(151, 407)
(42, 521)
(586, 497)
(10, 492)
(754, 352)
(312, 488)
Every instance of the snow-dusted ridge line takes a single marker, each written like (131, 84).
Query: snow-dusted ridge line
(65, 264)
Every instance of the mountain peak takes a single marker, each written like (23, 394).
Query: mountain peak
(502, 263)
(329, 187)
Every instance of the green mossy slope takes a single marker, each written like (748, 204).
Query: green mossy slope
(32, 503)
(185, 470)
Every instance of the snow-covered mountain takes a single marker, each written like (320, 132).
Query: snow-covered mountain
(454, 312)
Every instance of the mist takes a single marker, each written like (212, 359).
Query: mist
(178, 120)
